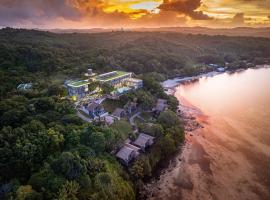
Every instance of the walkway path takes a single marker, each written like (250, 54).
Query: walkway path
(132, 123)
(131, 119)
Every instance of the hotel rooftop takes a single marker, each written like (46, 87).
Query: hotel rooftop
(111, 76)
(78, 83)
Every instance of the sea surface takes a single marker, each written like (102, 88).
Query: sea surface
(229, 158)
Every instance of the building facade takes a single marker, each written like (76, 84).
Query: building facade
(134, 83)
(77, 89)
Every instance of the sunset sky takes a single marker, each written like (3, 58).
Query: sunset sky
(133, 13)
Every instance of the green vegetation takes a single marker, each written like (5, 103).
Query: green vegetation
(47, 152)
(167, 141)
(30, 55)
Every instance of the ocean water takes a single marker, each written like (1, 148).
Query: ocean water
(234, 144)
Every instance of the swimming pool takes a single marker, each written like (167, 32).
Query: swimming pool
(122, 90)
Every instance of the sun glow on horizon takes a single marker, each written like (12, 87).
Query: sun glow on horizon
(134, 13)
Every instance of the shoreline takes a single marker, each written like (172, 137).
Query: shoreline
(190, 116)
(180, 176)
(170, 84)
(158, 183)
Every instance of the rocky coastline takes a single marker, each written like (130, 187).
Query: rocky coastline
(159, 182)
(177, 178)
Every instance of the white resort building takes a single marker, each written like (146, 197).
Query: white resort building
(114, 78)
(120, 80)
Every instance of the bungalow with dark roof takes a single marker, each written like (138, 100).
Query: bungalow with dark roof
(144, 141)
(126, 155)
(130, 107)
(95, 110)
(161, 105)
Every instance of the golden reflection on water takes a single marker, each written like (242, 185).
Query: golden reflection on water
(231, 94)
(238, 129)
(242, 98)
(229, 158)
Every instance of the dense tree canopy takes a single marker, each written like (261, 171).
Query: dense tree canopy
(35, 53)
(47, 152)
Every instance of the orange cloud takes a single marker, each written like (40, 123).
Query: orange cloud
(133, 13)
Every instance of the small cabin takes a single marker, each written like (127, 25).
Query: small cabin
(161, 105)
(144, 141)
(126, 155)
(95, 110)
(130, 107)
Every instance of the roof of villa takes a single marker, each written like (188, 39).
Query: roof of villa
(118, 111)
(131, 104)
(92, 106)
(124, 153)
(142, 140)
(161, 104)
(161, 101)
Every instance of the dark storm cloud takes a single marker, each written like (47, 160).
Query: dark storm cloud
(14, 12)
(187, 7)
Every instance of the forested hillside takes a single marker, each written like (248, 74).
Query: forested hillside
(47, 152)
(24, 51)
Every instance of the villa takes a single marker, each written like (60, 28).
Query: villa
(127, 153)
(131, 150)
(144, 141)
(131, 107)
(161, 105)
(94, 110)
